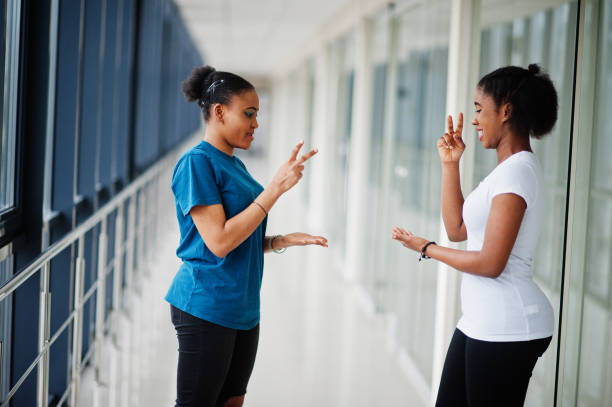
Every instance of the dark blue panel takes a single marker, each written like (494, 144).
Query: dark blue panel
(125, 106)
(109, 98)
(146, 143)
(168, 87)
(90, 103)
(58, 366)
(66, 110)
(25, 339)
(89, 308)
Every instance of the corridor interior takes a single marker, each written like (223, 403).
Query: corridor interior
(319, 344)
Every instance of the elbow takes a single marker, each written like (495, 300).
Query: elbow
(495, 270)
(454, 237)
(219, 249)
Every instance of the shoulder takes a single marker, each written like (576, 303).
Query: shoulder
(521, 167)
(519, 175)
(240, 163)
(193, 160)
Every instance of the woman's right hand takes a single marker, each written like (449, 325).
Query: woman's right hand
(451, 145)
(291, 171)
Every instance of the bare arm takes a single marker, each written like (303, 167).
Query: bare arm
(222, 235)
(503, 224)
(450, 149)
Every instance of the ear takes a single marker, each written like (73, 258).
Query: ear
(507, 109)
(218, 112)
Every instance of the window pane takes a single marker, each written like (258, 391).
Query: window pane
(342, 141)
(414, 175)
(7, 164)
(594, 373)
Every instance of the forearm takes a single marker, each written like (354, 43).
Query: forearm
(472, 262)
(238, 228)
(452, 200)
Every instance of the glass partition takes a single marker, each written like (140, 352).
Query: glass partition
(372, 280)
(344, 54)
(414, 176)
(588, 367)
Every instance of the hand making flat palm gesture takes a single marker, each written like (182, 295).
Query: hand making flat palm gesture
(451, 145)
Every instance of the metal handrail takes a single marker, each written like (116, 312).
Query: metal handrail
(83, 228)
(138, 209)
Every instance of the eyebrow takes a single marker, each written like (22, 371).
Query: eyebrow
(251, 107)
(477, 104)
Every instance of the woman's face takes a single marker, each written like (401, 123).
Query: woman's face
(488, 119)
(240, 119)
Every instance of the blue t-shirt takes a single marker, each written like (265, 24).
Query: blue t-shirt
(225, 290)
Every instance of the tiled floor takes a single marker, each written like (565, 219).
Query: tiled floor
(317, 345)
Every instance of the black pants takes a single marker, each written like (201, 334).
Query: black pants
(479, 373)
(215, 362)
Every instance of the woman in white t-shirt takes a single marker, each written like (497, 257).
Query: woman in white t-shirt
(507, 322)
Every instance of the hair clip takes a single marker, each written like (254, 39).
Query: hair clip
(214, 85)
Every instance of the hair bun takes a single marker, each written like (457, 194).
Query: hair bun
(193, 87)
(534, 69)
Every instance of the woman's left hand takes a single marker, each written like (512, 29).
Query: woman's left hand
(407, 239)
(299, 239)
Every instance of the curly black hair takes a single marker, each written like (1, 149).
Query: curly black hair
(208, 86)
(531, 95)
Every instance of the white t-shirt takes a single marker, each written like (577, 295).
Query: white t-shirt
(510, 307)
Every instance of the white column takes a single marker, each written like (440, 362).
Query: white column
(322, 138)
(359, 150)
(464, 46)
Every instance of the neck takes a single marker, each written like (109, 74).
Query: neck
(218, 141)
(511, 144)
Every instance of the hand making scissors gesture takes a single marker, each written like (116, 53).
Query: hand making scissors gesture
(291, 171)
(451, 145)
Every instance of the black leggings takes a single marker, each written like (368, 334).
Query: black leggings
(479, 373)
(215, 362)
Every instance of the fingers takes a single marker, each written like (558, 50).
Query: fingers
(296, 150)
(307, 156)
(459, 129)
(446, 141)
(316, 240)
(449, 124)
(319, 240)
(400, 234)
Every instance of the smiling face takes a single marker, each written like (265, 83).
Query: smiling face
(239, 119)
(489, 119)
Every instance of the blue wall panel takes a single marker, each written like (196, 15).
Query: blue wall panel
(90, 106)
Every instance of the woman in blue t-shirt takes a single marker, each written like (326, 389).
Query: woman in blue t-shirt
(222, 213)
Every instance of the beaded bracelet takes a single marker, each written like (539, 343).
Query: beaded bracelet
(423, 255)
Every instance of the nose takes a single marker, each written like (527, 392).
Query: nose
(474, 121)
(256, 125)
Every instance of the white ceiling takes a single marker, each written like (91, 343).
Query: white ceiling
(253, 37)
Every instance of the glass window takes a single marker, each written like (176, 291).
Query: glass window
(373, 278)
(546, 37)
(588, 372)
(9, 79)
(414, 176)
(344, 50)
